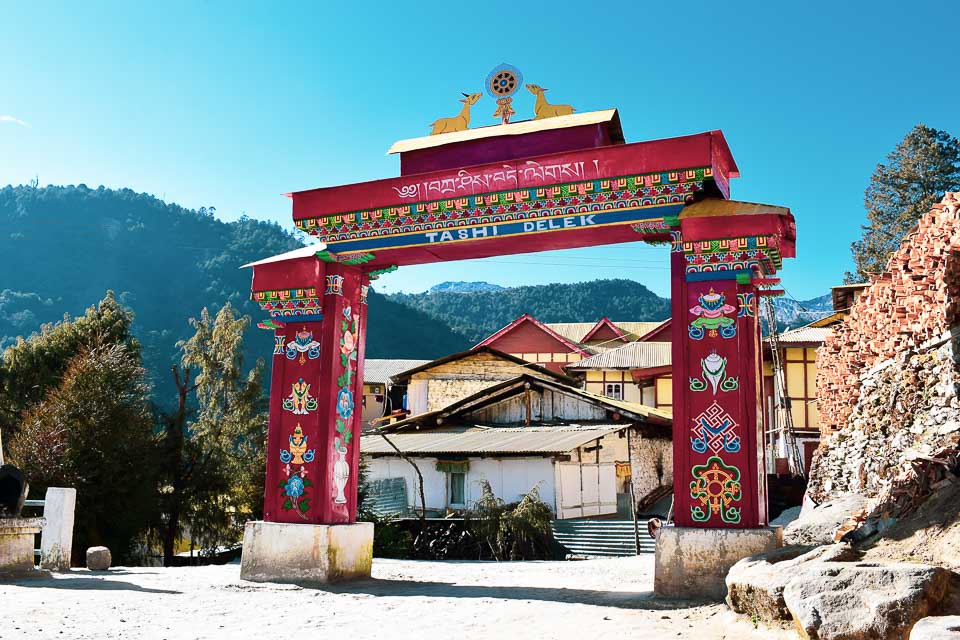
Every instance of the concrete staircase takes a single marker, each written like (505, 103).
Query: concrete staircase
(601, 537)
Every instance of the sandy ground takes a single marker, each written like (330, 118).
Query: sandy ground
(405, 599)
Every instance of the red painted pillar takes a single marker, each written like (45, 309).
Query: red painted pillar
(718, 462)
(313, 447)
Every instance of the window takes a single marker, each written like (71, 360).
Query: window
(457, 497)
(613, 390)
(800, 373)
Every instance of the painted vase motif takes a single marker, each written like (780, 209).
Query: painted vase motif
(341, 471)
(712, 317)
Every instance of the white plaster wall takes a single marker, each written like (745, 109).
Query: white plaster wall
(509, 478)
(434, 482)
(649, 396)
(512, 477)
(632, 392)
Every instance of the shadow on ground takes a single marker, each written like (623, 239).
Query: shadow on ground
(90, 582)
(619, 599)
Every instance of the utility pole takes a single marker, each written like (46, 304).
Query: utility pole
(633, 496)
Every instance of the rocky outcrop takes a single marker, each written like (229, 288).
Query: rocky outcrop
(818, 524)
(830, 595)
(907, 414)
(937, 628)
(858, 601)
(755, 585)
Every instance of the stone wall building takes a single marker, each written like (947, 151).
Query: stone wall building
(439, 383)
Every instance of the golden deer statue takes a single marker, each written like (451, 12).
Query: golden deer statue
(544, 109)
(459, 122)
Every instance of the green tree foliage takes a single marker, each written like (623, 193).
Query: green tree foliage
(94, 432)
(476, 315)
(213, 454)
(31, 367)
(924, 165)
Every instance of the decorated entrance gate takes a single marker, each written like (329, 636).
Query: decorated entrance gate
(550, 183)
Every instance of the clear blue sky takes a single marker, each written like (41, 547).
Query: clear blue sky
(230, 104)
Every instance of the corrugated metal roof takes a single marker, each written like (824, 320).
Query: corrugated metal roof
(514, 128)
(634, 355)
(575, 331)
(816, 335)
(377, 371)
(638, 329)
(480, 439)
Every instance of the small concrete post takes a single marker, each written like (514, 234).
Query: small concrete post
(56, 540)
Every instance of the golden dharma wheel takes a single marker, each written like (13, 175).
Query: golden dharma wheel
(503, 84)
(503, 81)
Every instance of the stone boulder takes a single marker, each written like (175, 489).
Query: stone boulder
(937, 628)
(98, 558)
(817, 525)
(860, 601)
(755, 585)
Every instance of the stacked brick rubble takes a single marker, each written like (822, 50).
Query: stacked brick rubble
(913, 301)
(888, 377)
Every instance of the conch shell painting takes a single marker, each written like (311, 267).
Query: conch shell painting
(714, 374)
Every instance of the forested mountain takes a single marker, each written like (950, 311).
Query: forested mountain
(476, 315)
(62, 248)
(477, 309)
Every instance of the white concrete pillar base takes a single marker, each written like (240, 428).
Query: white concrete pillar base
(692, 563)
(306, 553)
(56, 542)
(16, 546)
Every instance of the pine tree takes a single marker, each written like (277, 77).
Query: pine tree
(213, 450)
(924, 165)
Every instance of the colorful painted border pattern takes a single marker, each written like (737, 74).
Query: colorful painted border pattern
(286, 303)
(353, 258)
(733, 254)
(334, 286)
(592, 196)
(745, 301)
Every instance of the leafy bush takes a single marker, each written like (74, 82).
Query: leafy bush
(515, 531)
